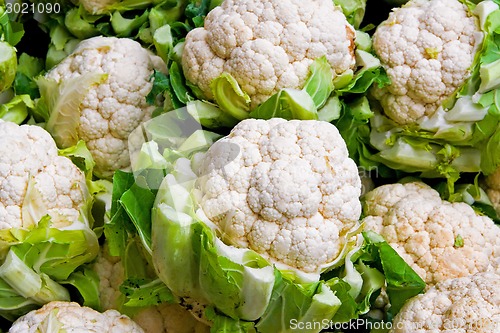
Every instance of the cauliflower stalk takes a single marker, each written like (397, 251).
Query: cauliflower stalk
(127, 281)
(244, 226)
(44, 220)
(438, 239)
(90, 97)
(437, 116)
(57, 317)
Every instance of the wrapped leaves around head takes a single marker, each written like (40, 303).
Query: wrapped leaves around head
(299, 242)
(45, 222)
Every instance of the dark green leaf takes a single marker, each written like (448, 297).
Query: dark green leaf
(138, 202)
(143, 292)
(402, 281)
(161, 83)
(86, 281)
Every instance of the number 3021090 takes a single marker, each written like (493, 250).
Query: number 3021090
(31, 8)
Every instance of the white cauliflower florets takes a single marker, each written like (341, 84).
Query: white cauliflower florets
(267, 45)
(112, 109)
(438, 239)
(285, 189)
(169, 318)
(427, 49)
(162, 318)
(493, 189)
(463, 305)
(35, 180)
(111, 275)
(71, 317)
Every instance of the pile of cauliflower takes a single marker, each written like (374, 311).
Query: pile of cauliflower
(279, 194)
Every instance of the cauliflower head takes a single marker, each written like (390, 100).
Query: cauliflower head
(111, 275)
(467, 305)
(438, 239)
(285, 189)
(35, 180)
(427, 49)
(169, 318)
(112, 108)
(493, 189)
(267, 45)
(162, 318)
(71, 317)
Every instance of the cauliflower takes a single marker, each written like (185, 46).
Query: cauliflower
(493, 189)
(71, 317)
(427, 49)
(429, 118)
(267, 45)
(169, 318)
(246, 225)
(285, 189)
(35, 180)
(44, 220)
(438, 239)
(112, 78)
(163, 318)
(111, 275)
(467, 305)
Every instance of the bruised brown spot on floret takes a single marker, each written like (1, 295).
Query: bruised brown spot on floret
(350, 37)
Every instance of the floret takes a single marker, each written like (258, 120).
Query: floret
(71, 317)
(438, 239)
(469, 304)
